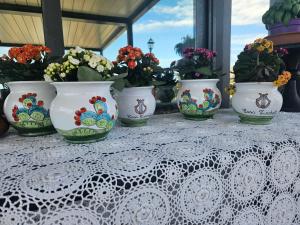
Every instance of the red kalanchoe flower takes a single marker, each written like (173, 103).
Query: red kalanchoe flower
(40, 103)
(131, 64)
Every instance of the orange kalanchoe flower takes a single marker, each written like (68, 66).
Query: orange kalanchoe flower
(283, 79)
(28, 53)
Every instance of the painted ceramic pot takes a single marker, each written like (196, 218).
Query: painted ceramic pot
(136, 105)
(27, 107)
(256, 103)
(83, 112)
(199, 99)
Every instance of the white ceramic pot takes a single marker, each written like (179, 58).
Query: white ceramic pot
(83, 112)
(27, 107)
(136, 105)
(256, 103)
(199, 99)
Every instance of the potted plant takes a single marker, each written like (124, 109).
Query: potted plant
(83, 110)
(259, 71)
(4, 125)
(198, 97)
(283, 17)
(166, 92)
(136, 101)
(27, 106)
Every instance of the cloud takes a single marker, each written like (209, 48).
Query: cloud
(181, 16)
(246, 12)
(243, 39)
(153, 25)
(182, 9)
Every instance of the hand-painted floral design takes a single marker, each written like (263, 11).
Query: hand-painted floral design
(99, 117)
(190, 105)
(32, 113)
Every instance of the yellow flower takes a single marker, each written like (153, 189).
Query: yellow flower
(230, 90)
(283, 79)
(276, 83)
(267, 43)
(259, 40)
(260, 48)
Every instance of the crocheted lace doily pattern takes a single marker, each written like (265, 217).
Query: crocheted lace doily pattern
(172, 171)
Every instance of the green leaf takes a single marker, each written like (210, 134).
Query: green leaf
(158, 83)
(85, 73)
(119, 84)
(117, 77)
(205, 71)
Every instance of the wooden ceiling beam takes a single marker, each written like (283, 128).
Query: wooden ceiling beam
(84, 17)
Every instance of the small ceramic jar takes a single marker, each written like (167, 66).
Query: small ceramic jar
(27, 107)
(256, 103)
(199, 99)
(136, 105)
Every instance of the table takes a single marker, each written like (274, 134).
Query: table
(173, 171)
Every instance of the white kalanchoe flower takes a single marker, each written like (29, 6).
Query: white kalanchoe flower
(108, 65)
(100, 68)
(78, 49)
(86, 57)
(62, 75)
(47, 78)
(95, 58)
(73, 60)
(93, 64)
(72, 52)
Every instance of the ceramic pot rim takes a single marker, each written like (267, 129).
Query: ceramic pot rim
(254, 83)
(28, 82)
(144, 87)
(82, 82)
(192, 80)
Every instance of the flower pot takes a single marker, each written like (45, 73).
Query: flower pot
(27, 107)
(199, 99)
(4, 125)
(83, 112)
(280, 28)
(256, 103)
(165, 93)
(136, 105)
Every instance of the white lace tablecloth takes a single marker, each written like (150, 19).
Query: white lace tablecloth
(173, 171)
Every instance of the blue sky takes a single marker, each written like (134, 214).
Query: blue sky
(170, 20)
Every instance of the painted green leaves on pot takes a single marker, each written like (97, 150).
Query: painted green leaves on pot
(32, 113)
(92, 122)
(188, 105)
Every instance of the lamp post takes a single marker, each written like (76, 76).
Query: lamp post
(150, 44)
